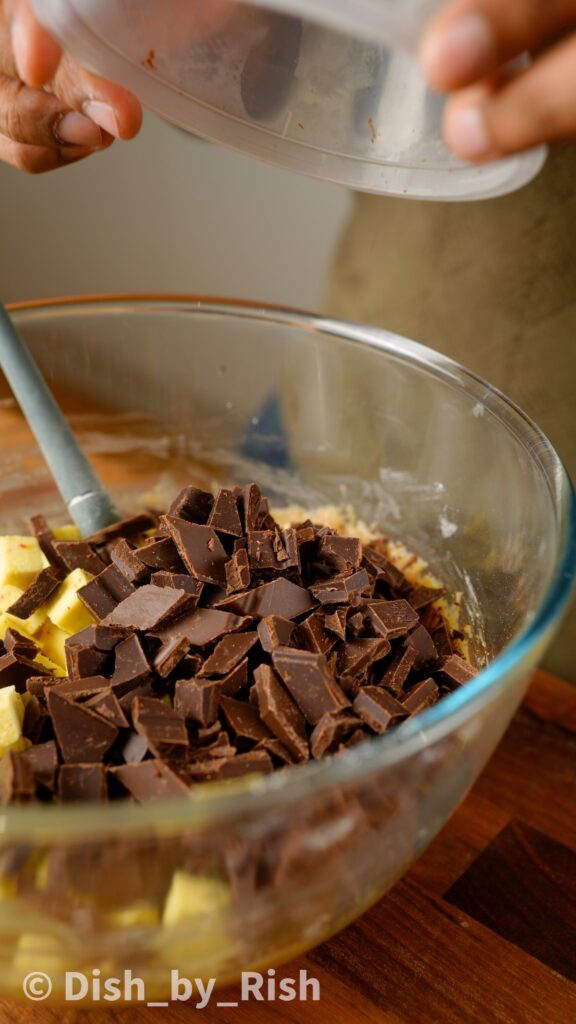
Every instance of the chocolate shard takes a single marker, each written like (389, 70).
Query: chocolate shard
(243, 720)
(46, 540)
(133, 526)
(17, 784)
(79, 689)
(18, 645)
(203, 625)
(179, 581)
(149, 608)
(107, 705)
(255, 762)
(170, 654)
(43, 762)
(15, 670)
(78, 554)
(425, 648)
(162, 555)
(443, 640)
(279, 597)
(273, 551)
(250, 505)
(82, 783)
(336, 622)
(126, 560)
(150, 780)
(392, 618)
(421, 696)
(196, 700)
(454, 672)
(341, 589)
(35, 718)
(236, 680)
(278, 752)
(225, 517)
(105, 591)
(162, 728)
(378, 708)
(103, 638)
(310, 682)
(333, 730)
(398, 670)
(83, 661)
(83, 737)
(192, 504)
(358, 656)
(131, 666)
(422, 597)
(280, 713)
(386, 571)
(314, 636)
(207, 769)
(238, 575)
(47, 581)
(340, 553)
(200, 549)
(275, 631)
(229, 652)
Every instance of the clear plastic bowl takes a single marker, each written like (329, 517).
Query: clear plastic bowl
(326, 88)
(164, 391)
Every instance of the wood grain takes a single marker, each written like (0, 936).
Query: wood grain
(483, 927)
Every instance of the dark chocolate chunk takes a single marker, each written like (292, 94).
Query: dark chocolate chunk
(275, 631)
(106, 703)
(422, 597)
(385, 570)
(378, 708)
(228, 653)
(279, 597)
(280, 713)
(15, 670)
(255, 762)
(149, 608)
(443, 640)
(336, 622)
(126, 560)
(103, 638)
(236, 680)
(47, 581)
(314, 636)
(421, 696)
(250, 505)
(392, 618)
(17, 784)
(18, 645)
(150, 780)
(333, 730)
(454, 672)
(309, 681)
(200, 549)
(243, 720)
(398, 670)
(358, 656)
(179, 581)
(105, 591)
(131, 666)
(192, 504)
(162, 728)
(340, 589)
(83, 661)
(82, 783)
(225, 517)
(162, 555)
(203, 625)
(238, 575)
(425, 648)
(79, 689)
(43, 762)
(272, 551)
(78, 554)
(278, 752)
(340, 553)
(196, 700)
(83, 737)
(35, 716)
(170, 654)
(131, 527)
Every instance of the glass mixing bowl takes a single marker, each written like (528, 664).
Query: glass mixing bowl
(165, 391)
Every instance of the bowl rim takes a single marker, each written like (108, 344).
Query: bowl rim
(220, 801)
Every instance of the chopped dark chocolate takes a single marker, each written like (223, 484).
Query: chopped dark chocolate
(43, 762)
(425, 648)
(78, 554)
(421, 696)
(309, 681)
(340, 589)
(82, 783)
(378, 708)
(238, 573)
(203, 625)
(280, 713)
(272, 551)
(170, 654)
(243, 720)
(196, 700)
(358, 656)
(250, 505)
(200, 549)
(335, 622)
(392, 618)
(106, 703)
(179, 581)
(279, 597)
(229, 652)
(275, 631)
(17, 784)
(126, 560)
(162, 555)
(314, 636)
(151, 780)
(131, 527)
(192, 504)
(46, 582)
(224, 516)
(398, 670)
(254, 762)
(131, 666)
(149, 608)
(236, 680)
(83, 736)
(454, 672)
(340, 553)
(18, 645)
(162, 728)
(333, 729)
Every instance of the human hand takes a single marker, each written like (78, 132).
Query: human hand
(52, 111)
(496, 110)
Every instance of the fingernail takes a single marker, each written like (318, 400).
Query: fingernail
(104, 115)
(79, 130)
(463, 48)
(466, 132)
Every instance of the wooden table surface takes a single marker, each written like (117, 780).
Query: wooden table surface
(482, 930)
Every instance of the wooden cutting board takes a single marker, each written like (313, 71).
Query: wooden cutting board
(482, 930)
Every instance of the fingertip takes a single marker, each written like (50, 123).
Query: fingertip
(456, 51)
(36, 54)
